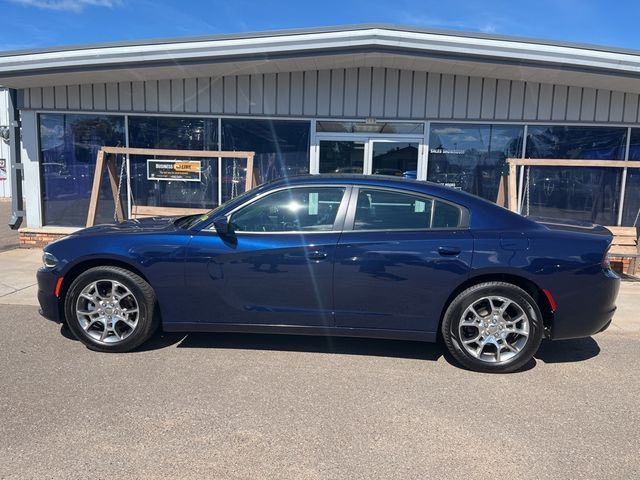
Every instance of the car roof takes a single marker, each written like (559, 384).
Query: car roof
(352, 179)
(380, 181)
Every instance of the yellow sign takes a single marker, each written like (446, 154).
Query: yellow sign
(187, 166)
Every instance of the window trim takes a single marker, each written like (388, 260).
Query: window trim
(349, 222)
(338, 223)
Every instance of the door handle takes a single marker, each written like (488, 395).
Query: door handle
(317, 255)
(449, 251)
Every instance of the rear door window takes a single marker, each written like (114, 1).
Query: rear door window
(387, 210)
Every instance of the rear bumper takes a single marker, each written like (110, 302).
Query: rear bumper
(49, 303)
(588, 308)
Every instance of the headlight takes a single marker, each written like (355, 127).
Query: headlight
(49, 260)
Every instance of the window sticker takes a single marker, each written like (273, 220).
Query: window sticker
(313, 203)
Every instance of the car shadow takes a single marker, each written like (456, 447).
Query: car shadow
(557, 351)
(568, 351)
(314, 344)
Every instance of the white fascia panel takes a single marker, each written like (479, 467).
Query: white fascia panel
(507, 50)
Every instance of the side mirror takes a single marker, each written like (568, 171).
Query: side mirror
(221, 225)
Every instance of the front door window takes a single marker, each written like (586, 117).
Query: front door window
(291, 210)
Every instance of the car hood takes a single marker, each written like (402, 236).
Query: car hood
(144, 225)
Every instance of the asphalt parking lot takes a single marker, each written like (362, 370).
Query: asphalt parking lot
(261, 406)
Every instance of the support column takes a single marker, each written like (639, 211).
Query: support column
(31, 168)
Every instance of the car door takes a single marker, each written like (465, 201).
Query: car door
(399, 258)
(275, 265)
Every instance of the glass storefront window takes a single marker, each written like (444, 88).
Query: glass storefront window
(580, 193)
(281, 147)
(341, 156)
(68, 147)
(471, 157)
(583, 143)
(631, 210)
(174, 133)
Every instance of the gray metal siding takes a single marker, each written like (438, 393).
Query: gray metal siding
(151, 96)
(297, 93)
(418, 96)
(347, 92)
(363, 94)
(516, 100)
(432, 107)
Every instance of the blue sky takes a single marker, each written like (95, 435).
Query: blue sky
(43, 23)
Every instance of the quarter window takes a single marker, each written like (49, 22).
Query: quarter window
(292, 210)
(383, 210)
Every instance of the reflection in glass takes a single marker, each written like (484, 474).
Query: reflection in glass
(338, 156)
(395, 158)
(631, 210)
(281, 147)
(292, 210)
(68, 149)
(550, 141)
(174, 133)
(579, 193)
(471, 157)
(382, 210)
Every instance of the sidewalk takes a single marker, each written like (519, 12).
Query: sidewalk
(18, 287)
(18, 276)
(8, 237)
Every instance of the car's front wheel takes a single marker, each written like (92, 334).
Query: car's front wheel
(493, 327)
(110, 309)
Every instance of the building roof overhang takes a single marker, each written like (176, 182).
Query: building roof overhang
(332, 47)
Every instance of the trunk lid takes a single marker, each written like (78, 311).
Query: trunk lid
(576, 226)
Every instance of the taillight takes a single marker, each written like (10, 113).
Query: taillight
(606, 263)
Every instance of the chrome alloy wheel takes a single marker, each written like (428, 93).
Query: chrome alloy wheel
(494, 329)
(107, 311)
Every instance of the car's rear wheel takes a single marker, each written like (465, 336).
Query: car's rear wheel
(110, 309)
(493, 327)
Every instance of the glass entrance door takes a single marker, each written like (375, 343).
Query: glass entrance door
(395, 158)
(370, 156)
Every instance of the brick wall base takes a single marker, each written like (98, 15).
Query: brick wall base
(621, 265)
(41, 237)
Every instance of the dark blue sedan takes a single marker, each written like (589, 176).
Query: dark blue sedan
(338, 255)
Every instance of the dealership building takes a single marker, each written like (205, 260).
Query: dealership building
(444, 106)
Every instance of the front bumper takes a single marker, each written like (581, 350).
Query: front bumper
(49, 303)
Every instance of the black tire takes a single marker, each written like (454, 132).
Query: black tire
(454, 313)
(145, 297)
